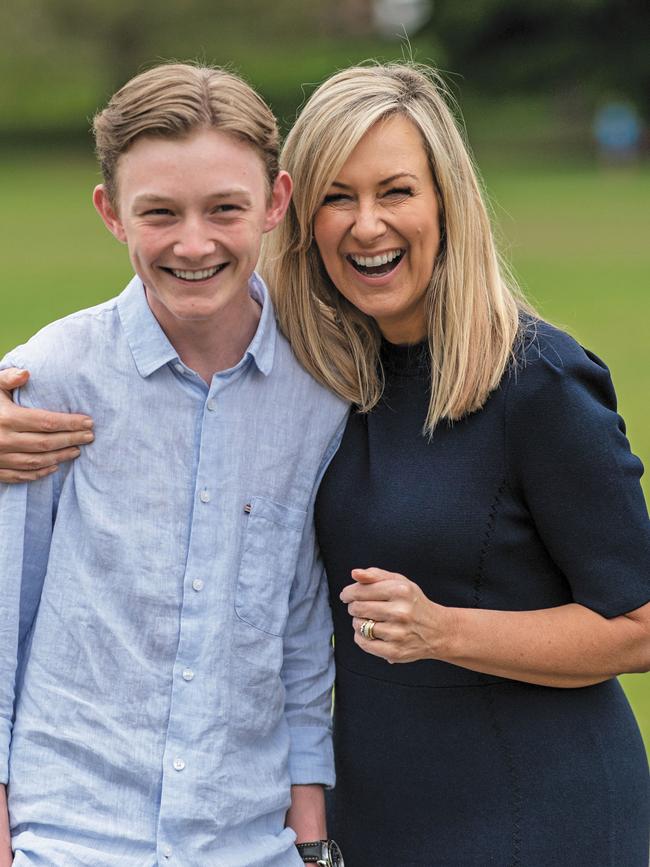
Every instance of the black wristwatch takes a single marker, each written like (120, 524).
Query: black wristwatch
(324, 853)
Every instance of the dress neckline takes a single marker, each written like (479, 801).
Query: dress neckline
(405, 359)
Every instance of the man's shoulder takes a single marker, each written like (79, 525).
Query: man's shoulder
(298, 387)
(304, 386)
(64, 337)
(56, 353)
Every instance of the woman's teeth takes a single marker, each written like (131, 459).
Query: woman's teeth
(374, 261)
(376, 264)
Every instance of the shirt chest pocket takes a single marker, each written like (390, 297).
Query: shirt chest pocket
(268, 564)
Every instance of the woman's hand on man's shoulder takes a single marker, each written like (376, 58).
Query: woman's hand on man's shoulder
(33, 442)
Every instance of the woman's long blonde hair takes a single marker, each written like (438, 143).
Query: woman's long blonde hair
(472, 305)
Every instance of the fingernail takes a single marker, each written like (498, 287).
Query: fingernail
(88, 438)
(88, 423)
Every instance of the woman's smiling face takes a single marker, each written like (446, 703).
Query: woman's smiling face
(378, 228)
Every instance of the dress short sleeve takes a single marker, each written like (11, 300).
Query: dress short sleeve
(571, 462)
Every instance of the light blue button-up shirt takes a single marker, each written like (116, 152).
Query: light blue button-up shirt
(165, 659)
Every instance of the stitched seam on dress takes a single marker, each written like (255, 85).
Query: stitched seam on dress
(501, 682)
(513, 780)
(612, 836)
(487, 539)
(506, 403)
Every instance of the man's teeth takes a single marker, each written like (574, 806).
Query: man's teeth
(195, 275)
(375, 261)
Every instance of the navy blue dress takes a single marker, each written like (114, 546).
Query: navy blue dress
(530, 503)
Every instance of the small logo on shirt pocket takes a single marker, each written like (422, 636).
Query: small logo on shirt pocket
(268, 563)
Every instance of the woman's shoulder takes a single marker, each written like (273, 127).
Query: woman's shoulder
(550, 365)
(548, 347)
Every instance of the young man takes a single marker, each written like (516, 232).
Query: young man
(165, 642)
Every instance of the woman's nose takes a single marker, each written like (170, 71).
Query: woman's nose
(368, 224)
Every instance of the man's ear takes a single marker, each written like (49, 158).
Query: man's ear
(107, 212)
(280, 198)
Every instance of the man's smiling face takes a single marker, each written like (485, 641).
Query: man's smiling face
(192, 212)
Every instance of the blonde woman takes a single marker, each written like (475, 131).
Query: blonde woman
(482, 523)
(485, 480)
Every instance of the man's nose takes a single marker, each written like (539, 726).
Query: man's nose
(194, 241)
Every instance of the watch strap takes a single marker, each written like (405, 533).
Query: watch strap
(311, 853)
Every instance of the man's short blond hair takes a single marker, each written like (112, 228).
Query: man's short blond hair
(174, 99)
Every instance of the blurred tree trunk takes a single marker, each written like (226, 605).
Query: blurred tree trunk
(347, 17)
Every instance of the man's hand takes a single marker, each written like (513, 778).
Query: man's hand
(6, 855)
(33, 442)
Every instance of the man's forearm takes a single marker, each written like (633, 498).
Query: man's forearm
(306, 815)
(6, 855)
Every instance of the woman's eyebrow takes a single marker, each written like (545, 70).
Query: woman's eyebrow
(381, 183)
(397, 176)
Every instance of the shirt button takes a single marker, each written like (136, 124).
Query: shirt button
(179, 367)
(188, 674)
(167, 851)
(197, 584)
(212, 405)
(179, 764)
(204, 496)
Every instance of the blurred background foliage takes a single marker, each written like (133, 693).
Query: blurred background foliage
(61, 59)
(529, 78)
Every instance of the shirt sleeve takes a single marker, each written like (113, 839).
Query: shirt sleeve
(308, 665)
(26, 512)
(571, 461)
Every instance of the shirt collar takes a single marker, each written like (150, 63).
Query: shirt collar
(262, 347)
(148, 342)
(151, 348)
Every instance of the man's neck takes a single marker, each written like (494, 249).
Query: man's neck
(209, 346)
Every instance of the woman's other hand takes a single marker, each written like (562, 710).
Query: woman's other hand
(33, 442)
(566, 646)
(408, 625)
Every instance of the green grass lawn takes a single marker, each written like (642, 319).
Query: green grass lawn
(577, 237)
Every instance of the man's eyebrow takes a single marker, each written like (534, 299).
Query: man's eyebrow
(234, 192)
(155, 198)
(152, 198)
(381, 183)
